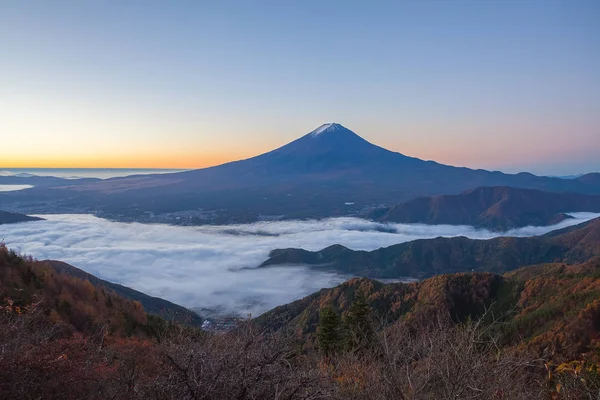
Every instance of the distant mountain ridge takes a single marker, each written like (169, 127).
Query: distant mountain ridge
(13, 218)
(496, 208)
(42, 181)
(427, 257)
(328, 172)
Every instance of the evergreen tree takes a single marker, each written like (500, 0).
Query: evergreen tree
(329, 332)
(359, 325)
(109, 302)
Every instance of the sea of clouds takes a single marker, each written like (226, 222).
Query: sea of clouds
(214, 267)
(12, 188)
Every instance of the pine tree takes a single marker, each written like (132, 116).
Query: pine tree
(359, 325)
(329, 332)
(109, 302)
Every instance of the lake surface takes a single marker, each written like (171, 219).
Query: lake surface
(74, 173)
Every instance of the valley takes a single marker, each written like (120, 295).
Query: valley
(213, 268)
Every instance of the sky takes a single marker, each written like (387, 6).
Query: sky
(214, 267)
(509, 85)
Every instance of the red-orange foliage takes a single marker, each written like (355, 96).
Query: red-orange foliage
(72, 301)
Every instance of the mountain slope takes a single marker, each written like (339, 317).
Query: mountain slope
(328, 172)
(13, 218)
(498, 208)
(460, 295)
(553, 307)
(152, 305)
(427, 257)
(74, 303)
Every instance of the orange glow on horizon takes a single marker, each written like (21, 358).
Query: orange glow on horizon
(442, 155)
(178, 161)
(489, 151)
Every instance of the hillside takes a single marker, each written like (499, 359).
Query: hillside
(63, 337)
(13, 218)
(427, 257)
(152, 305)
(72, 294)
(550, 307)
(75, 304)
(458, 295)
(496, 208)
(330, 171)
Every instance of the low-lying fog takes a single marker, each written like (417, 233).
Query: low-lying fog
(12, 188)
(214, 266)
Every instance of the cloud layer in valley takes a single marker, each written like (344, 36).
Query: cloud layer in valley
(12, 188)
(213, 267)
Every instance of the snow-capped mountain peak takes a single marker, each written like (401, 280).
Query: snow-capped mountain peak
(330, 127)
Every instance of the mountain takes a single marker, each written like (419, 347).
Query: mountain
(152, 305)
(427, 257)
(551, 308)
(13, 218)
(454, 294)
(590, 179)
(496, 208)
(27, 279)
(529, 334)
(330, 171)
(72, 303)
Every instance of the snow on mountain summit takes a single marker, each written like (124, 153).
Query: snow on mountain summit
(332, 126)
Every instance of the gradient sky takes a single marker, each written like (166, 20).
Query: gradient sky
(510, 85)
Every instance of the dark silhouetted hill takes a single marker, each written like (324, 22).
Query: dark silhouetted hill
(496, 208)
(427, 257)
(13, 218)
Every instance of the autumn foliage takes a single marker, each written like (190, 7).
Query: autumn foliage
(74, 304)
(532, 334)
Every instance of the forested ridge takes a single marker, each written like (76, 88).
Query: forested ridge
(427, 257)
(529, 334)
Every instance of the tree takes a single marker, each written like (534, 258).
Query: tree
(359, 325)
(329, 331)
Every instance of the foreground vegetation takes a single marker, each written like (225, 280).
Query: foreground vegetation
(532, 334)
